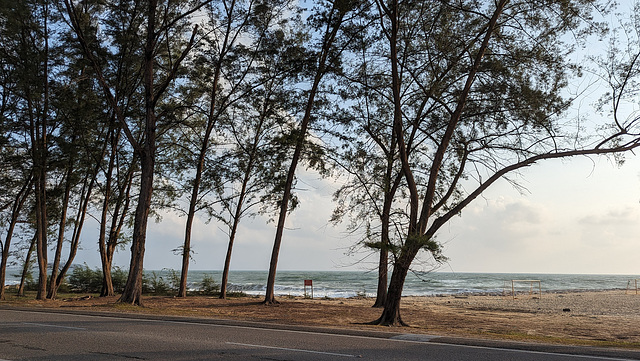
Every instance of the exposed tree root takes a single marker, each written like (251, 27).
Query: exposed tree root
(271, 301)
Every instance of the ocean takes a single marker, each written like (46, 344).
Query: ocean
(334, 284)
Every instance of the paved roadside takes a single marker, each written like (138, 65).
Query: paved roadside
(398, 334)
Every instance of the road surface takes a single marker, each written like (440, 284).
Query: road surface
(36, 335)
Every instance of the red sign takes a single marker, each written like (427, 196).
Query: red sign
(308, 282)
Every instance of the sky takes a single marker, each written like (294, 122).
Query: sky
(579, 216)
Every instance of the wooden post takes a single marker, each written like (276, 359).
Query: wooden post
(531, 282)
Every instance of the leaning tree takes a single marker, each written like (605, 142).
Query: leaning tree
(477, 91)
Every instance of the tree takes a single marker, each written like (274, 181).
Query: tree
(255, 125)
(116, 199)
(16, 180)
(164, 51)
(368, 157)
(27, 56)
(88, 166)
(16, 206)
(228, 24)
(329, 21)
(26, 265)
(120, 70)
(476, 94)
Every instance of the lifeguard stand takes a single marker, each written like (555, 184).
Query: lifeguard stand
(310, 284)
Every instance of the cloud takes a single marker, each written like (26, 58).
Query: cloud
(626, 216)
(503, 221)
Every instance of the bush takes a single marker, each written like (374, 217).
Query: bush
(208, 286)
(156, 283)
(85, 280)
(173, 280)
(30, 283)
(119, 279)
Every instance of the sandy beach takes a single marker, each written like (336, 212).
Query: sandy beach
(607, 318)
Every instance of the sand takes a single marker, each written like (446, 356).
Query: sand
(608, 318)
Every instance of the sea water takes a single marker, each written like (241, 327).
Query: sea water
(352, 283)
(334, 284)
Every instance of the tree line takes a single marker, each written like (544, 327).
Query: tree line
(119, 109)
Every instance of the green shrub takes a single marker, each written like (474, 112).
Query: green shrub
(85, 280)
(119, 279)
(30, 283)
(208, 286)
(173, 280)
(156, 284)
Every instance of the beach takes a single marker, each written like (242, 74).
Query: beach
(598, 318)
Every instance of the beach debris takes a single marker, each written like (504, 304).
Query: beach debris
(566, 310)
(84, 298)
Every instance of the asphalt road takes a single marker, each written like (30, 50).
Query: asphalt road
(35, 335)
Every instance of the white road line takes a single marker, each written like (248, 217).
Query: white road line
(291, 349)
(56, 326)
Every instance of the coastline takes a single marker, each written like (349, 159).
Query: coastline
(598, 318)
(344, 284)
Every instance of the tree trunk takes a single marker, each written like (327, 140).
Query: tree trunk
(107, 284)
(193, 202)
(232, 237)
(19, 201)
(284, 204)
(107, 280)
(211, 120)
(51, 293)
(132, 293)
(391, 313)
(238, 215)
(383, 264)
(329, 38)
(41, 184)
(186, 247)
(85, 197)
(383, 269)
(41, 236)
(5, 257)
(121, 210)
(25, 266)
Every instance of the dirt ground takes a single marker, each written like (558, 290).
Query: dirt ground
(609, 318)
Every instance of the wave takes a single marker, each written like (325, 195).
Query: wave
(344, 284)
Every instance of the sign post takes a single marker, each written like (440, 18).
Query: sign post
(308, 283)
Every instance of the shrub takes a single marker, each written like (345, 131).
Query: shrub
(119, 279)
(173, 280)
(155, 283)
(208, 285)
(84, 279)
